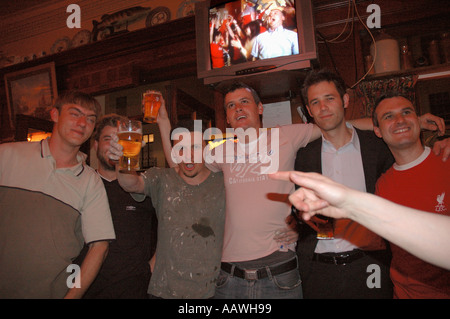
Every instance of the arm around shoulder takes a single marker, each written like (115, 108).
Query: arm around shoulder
(364, 124)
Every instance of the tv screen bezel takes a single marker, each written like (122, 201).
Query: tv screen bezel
(303, 60)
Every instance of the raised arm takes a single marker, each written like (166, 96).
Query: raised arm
(211, 29)
(164, 129)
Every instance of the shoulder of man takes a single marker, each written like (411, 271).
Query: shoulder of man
(311, 147)
(369, 134)
(308, 157)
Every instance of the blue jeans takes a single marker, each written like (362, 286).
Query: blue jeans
(283, 286)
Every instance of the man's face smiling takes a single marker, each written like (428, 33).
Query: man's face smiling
(102, 147)
(398, 123)
(74, 123)
(242, 110)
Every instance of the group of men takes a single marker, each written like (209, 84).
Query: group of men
(222, 225)
(358, 159)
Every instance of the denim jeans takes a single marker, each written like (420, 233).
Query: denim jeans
(282, 286)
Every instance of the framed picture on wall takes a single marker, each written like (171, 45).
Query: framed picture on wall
(31, 92)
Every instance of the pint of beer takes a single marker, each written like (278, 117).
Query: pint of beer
(151, 101)
(326, 227)
(130, 137)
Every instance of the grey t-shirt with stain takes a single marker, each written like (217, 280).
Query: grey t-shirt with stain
(190, 233)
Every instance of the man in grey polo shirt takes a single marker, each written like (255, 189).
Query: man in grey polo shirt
(50, 203)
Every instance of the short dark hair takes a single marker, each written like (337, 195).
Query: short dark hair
(241, 85)
(107, 120)
(315, 77)
(80, 98)
(387, 95)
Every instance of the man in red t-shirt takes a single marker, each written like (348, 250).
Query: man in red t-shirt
(418, 179)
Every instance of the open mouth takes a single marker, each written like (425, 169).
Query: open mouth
(189, 166)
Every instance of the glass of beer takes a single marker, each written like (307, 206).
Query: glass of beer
(326, 227)
(130, 137)
(151, 101)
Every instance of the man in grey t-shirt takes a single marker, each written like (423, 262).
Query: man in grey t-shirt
(190, 205)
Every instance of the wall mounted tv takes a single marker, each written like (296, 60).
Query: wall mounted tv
(237, 38)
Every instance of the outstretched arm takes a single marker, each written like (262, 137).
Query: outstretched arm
(421, 233)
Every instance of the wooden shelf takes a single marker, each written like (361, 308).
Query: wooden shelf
(425, 72)
(151, 54)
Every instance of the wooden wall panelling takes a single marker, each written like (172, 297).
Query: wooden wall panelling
(162, 52)
(144, 56)
(102, 80)
(167, 51)
(186, 105)
(221, 119)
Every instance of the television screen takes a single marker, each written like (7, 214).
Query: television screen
(249, 30)
(242, 37)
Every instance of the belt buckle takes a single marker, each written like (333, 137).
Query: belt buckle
(251, 274)
(341, 260)
(338, 262)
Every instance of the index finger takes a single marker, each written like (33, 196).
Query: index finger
(281, 176)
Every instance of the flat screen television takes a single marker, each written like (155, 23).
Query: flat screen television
(238, 38)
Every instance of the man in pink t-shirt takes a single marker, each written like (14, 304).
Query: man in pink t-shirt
(254, 265)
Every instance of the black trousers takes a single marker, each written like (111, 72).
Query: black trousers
(364, 278)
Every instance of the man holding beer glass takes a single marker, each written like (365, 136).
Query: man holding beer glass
(129, 133)
(190, 205)
(125, 273)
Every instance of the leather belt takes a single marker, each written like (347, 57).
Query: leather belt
(255, 274)
(339, 258)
